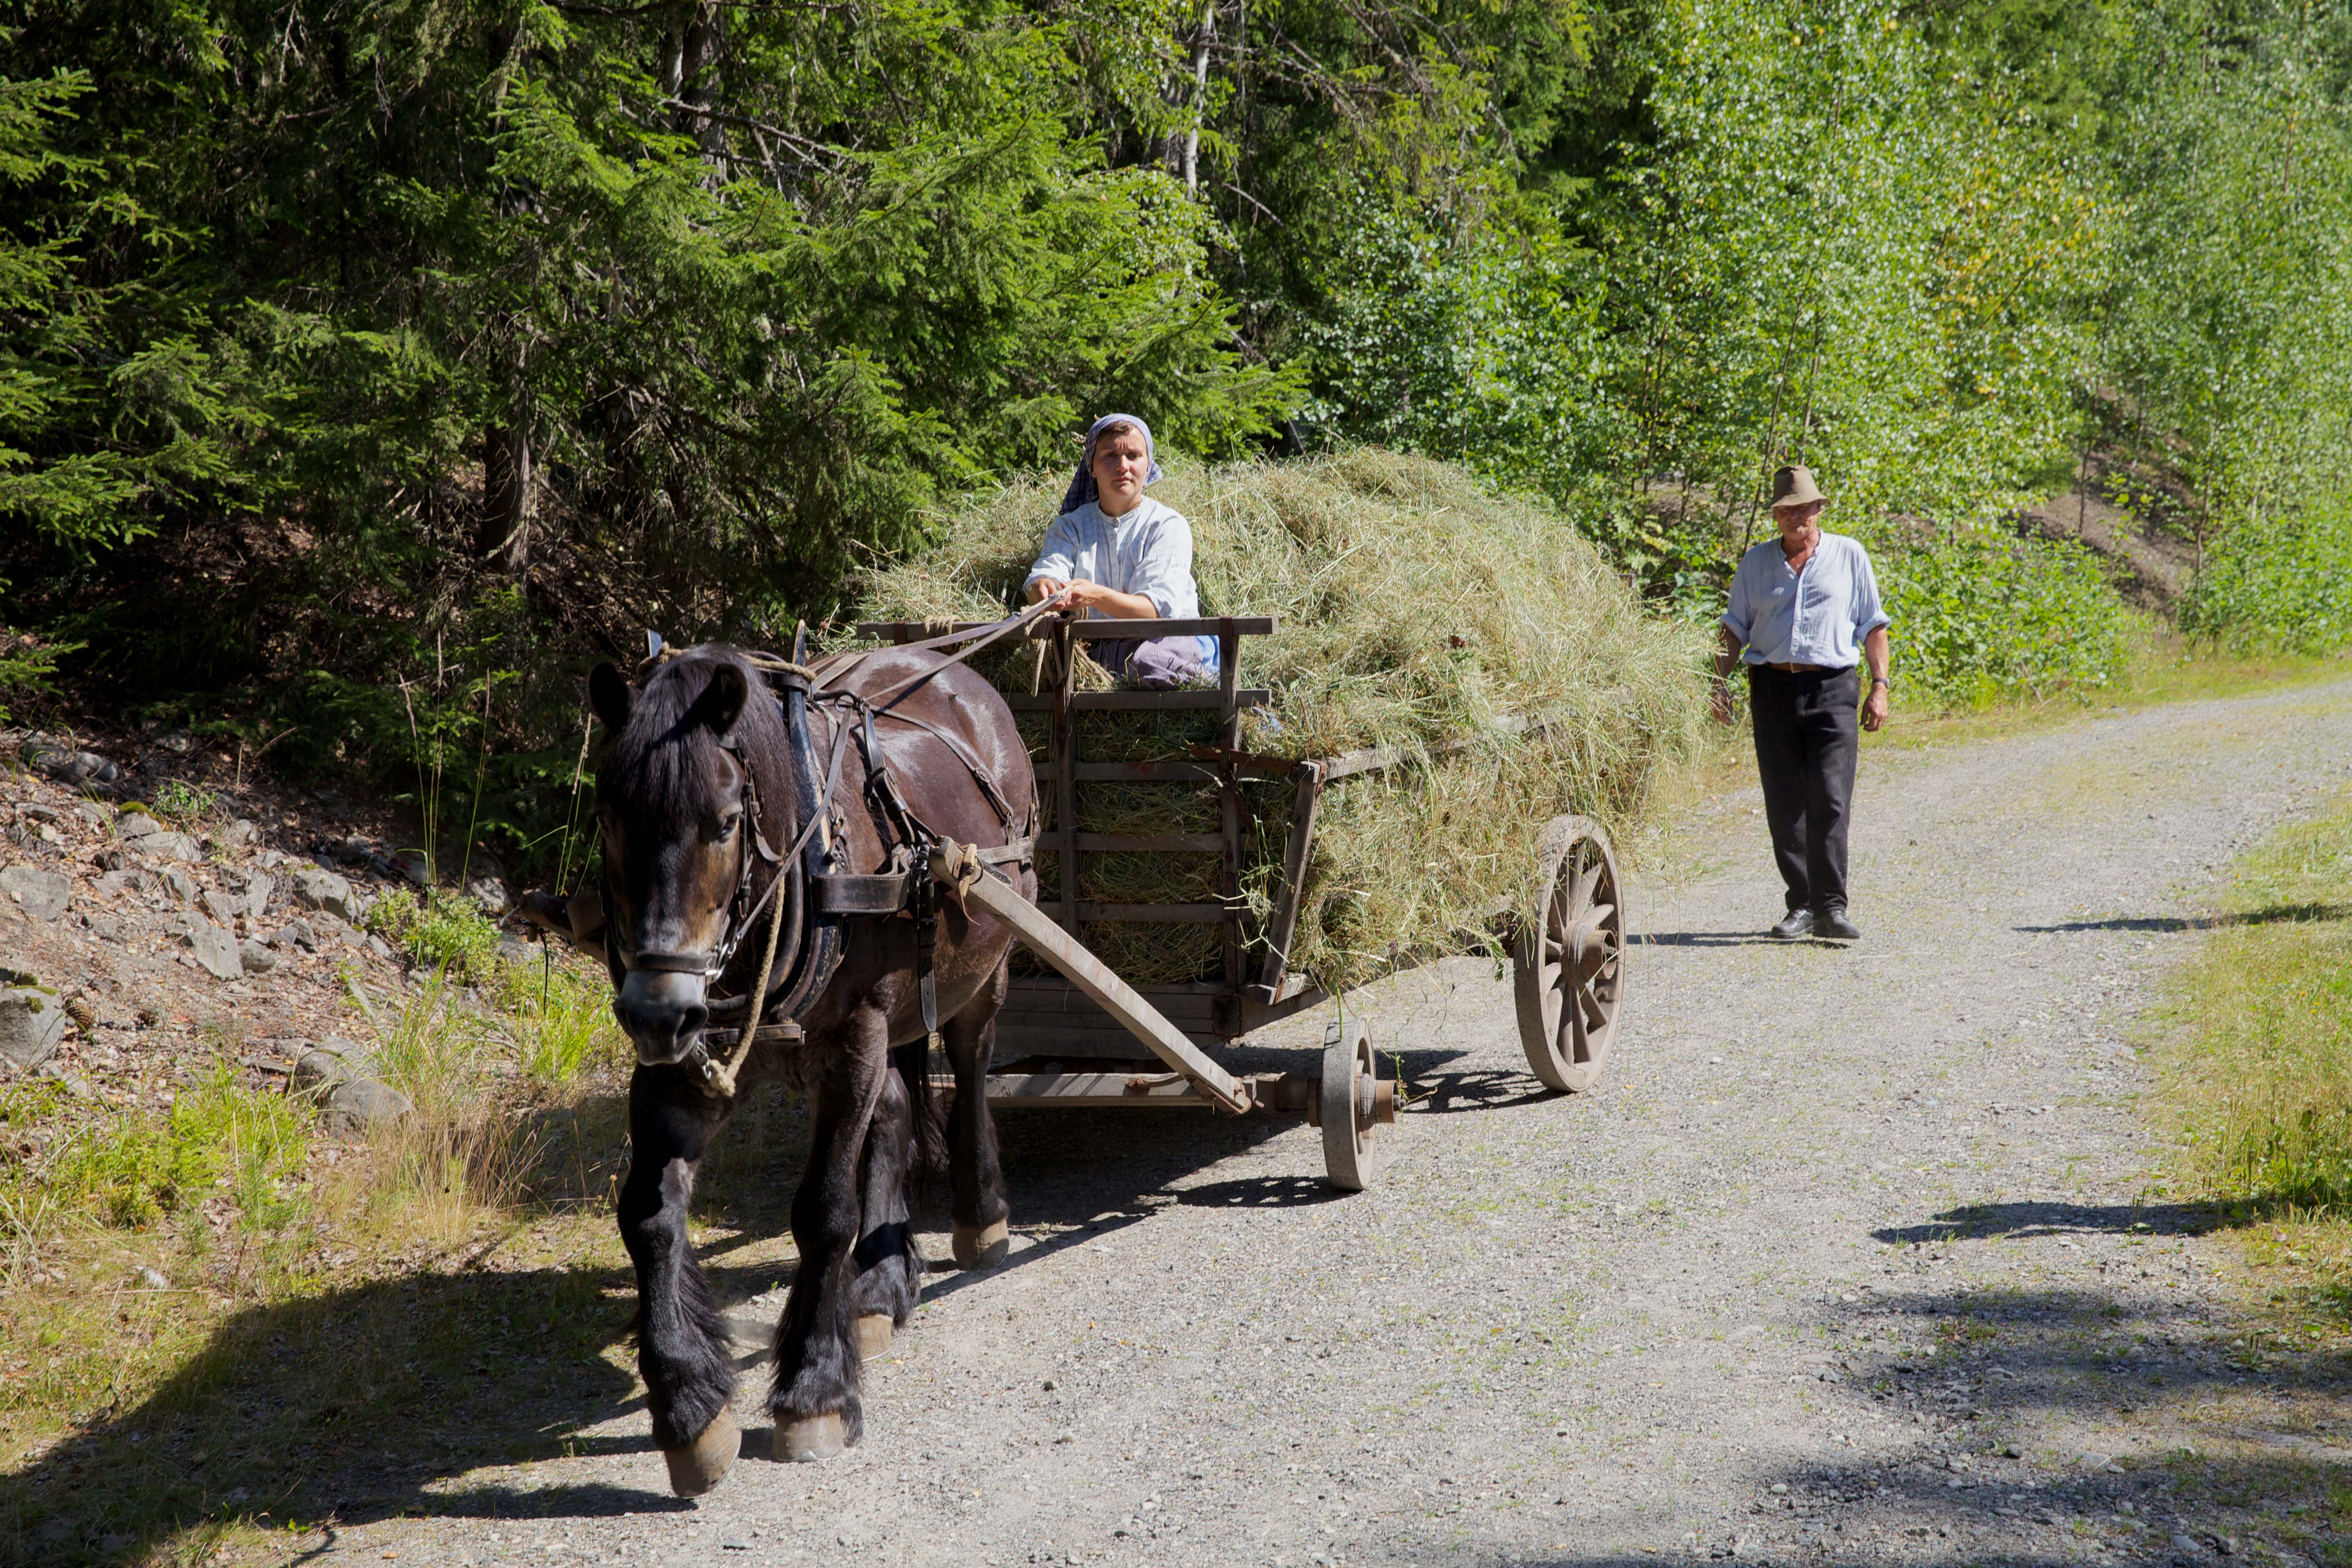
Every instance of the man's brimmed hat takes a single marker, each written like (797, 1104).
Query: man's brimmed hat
(1794, 486)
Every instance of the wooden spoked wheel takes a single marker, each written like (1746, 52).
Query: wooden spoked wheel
(1352, 1154)
(1571, 958)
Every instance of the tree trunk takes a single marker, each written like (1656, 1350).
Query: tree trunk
(1201, 42)
(687, 51)
(509, 499)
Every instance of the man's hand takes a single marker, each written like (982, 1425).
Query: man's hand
(1873, 709)
(1722, 701)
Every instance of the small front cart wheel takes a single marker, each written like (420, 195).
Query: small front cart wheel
(1349, 1108)
(1571, 958)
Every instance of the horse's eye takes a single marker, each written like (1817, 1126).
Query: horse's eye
(728, 825)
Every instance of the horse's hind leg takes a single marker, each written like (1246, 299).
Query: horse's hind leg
(976, 1198)
(681, 1343)
(890, 1267)
(815, 1401)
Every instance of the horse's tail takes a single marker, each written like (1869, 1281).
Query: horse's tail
(926, 1165)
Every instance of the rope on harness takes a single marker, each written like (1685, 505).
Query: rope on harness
(722, 1077)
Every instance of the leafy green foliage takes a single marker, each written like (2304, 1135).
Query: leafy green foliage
(361, 375)
(1977, 614)
(445, 931)
(2281, 582)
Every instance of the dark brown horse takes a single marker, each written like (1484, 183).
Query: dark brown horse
(715, 796)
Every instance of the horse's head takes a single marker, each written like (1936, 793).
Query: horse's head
(674, 810)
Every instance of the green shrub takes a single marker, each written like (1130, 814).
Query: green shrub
(445, 932)
(1977, 613)
(182, 803)
(2282, 582)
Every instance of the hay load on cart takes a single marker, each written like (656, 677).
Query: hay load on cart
(1433, 698)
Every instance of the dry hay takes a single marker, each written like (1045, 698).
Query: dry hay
(1418, 608)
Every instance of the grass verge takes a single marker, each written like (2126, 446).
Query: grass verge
(229, 1329)
(2255, 1066)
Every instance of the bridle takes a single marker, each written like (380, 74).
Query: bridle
(743, 912)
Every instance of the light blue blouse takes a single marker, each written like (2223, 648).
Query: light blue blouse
(1146, 550)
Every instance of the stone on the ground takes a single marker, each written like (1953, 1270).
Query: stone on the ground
(513, 949)
(41, 895)
(106, 928)
(39, 813)
(221, 907)
(152, 1279)
(32, 1024)
(215, 950)
(316, 889)
(136, 825)
(257, 895)
(414, 866)
(298, 932)
(81, 768)
(490, 893)
(329, 1062)
(179, 885)
(238, 834)
(171, 846)
(255, 956)
(359, 1104)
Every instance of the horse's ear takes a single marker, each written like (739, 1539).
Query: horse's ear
(721, 702)
(609, 694)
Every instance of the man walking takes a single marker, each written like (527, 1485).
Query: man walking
(1803, 606)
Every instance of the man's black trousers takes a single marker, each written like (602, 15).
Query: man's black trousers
(1808, 730)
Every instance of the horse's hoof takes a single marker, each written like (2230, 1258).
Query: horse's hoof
(809, 1439)
(695, 1471)
(981, 1249)
(873, 1335)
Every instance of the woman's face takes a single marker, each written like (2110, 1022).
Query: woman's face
(1121, 460)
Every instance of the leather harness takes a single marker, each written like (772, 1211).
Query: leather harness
(818, 893)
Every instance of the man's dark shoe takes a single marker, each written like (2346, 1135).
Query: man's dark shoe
(1832, 923)
(1799, 922)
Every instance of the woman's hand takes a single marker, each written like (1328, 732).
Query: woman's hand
(1082, 595)
(1046, 588)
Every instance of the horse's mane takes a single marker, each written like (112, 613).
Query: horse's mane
(660, 759)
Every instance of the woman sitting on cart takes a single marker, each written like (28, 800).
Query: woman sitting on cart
(1115, 553)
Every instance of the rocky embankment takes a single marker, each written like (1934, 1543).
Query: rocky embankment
(156, 918)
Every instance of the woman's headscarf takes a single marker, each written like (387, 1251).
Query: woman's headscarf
(1082, 485)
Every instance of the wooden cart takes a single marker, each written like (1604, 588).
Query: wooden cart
(1074, 1037)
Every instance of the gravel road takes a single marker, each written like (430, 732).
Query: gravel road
(1857, 1254)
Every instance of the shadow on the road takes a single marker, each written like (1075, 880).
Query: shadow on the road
(2271, 914)
(360, 1403)
(1442, 1094)
(1709, 938)
(1957, 1465)
(1262, 1192)
(1973, 1221)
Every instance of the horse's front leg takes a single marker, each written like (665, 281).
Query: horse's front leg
(815, 1401)
(681, 1344)
(976, 1178)
(889, 1266)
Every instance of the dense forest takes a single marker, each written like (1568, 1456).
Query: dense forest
(366, 364)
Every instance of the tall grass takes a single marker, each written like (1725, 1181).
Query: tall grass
(2258, 1067)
